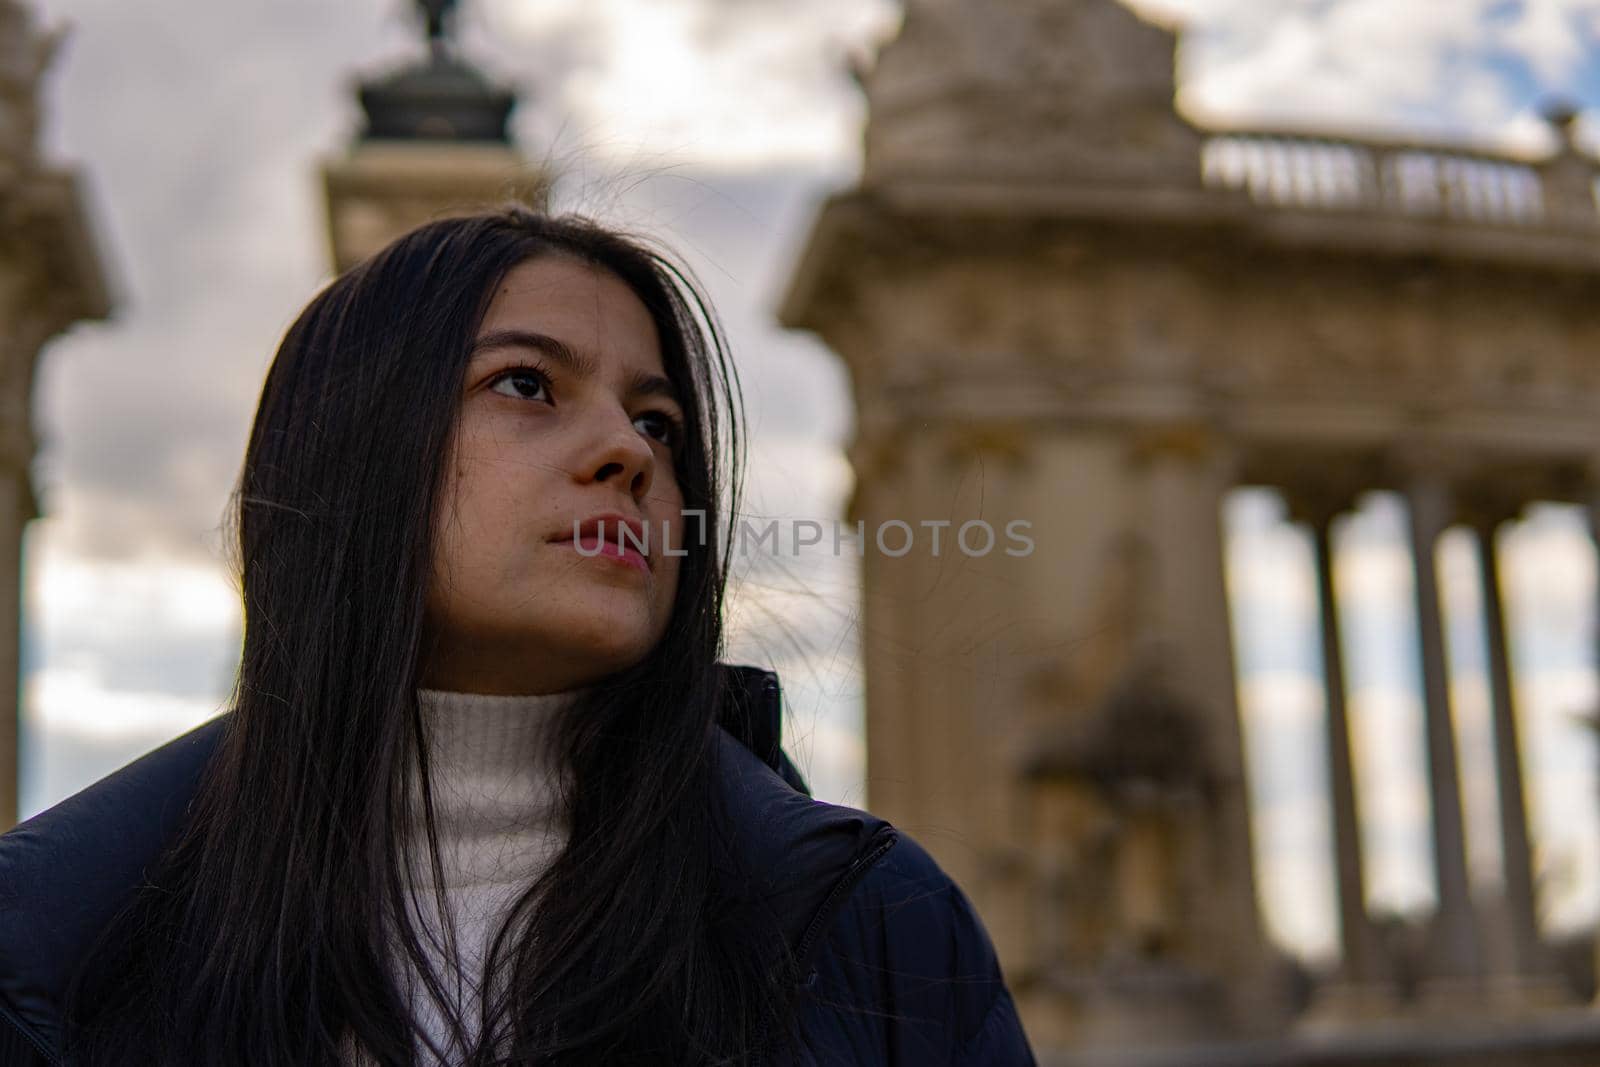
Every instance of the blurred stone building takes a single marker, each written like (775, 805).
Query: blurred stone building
(51, 276)
(1062, 302)
(435, 141)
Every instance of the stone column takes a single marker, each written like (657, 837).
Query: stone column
(1594, 719)
(1183, 472)
(32, 310)
(1516, 857)
(15, 505)
(1355, 932)
(1455, 950)
(50, 277)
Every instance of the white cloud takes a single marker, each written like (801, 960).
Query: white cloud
(1268, 563)
(679, 80)
(68, 701)
(1373, 576)
(1283, 700)
(799, 476)
(75, 729)
(1548, 577)
(1548, 33)
(149, 590)
(1377, 63)
(1296, 893)
(822, 727)
(1459, 573)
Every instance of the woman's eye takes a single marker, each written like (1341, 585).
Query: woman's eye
(665, 428)
(531, 383)
(524, 383)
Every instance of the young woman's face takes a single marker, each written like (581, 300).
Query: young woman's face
(566, 415)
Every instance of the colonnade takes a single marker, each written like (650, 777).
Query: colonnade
(1458, 951)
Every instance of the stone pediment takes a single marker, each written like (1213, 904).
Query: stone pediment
(1058, 90)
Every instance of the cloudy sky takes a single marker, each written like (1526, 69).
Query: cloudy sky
(719, 125)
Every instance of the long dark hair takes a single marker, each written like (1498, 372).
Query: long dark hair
(259, 936)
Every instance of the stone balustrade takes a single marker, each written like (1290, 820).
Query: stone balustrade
(1328, 172)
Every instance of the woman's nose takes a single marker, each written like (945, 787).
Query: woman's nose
(620, 456)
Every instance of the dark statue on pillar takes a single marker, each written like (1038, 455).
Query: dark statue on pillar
(434, 14)
(440, 98)
(436, 141)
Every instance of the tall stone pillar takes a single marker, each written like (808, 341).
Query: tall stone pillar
(50, 277)
(1516, 861)
(1359, 963)
(16, 507)
(1593, 516)
(1186, 471)
(1455, 953)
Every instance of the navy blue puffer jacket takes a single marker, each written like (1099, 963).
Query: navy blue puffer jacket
(897, 968)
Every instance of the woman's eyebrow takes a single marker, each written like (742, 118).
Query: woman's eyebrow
(578, 364)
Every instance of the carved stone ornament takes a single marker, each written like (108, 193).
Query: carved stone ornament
(1042, 89)
(25, 52)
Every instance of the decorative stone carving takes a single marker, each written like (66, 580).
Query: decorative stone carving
(1122, 613)
(1123, 805)
(1569, 175)
(967, 443)
(1036, 89)
(24, 54)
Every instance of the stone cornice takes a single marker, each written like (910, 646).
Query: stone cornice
(893, 219)
(44, 214)
(1267, 418)
(1282, 447)
(50, 277)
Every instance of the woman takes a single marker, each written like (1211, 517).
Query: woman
(484, 793)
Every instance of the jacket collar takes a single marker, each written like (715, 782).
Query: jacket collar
(788, 856)
(752, 710)
(65, 872)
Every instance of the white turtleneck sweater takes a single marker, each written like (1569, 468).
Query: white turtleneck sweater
(494, 801)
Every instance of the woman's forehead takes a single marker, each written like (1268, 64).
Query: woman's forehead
(585, 307)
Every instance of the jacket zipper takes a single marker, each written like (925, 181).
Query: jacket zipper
(17, 1027)
(879, 844)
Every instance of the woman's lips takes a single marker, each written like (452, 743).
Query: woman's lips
(590, 546)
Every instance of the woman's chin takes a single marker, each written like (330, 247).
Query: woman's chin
(612, 641)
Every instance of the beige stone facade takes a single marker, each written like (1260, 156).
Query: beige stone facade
(380, 190)
(1060, 302)
(50, 277)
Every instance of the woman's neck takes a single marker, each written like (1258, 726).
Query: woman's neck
(494, 772)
